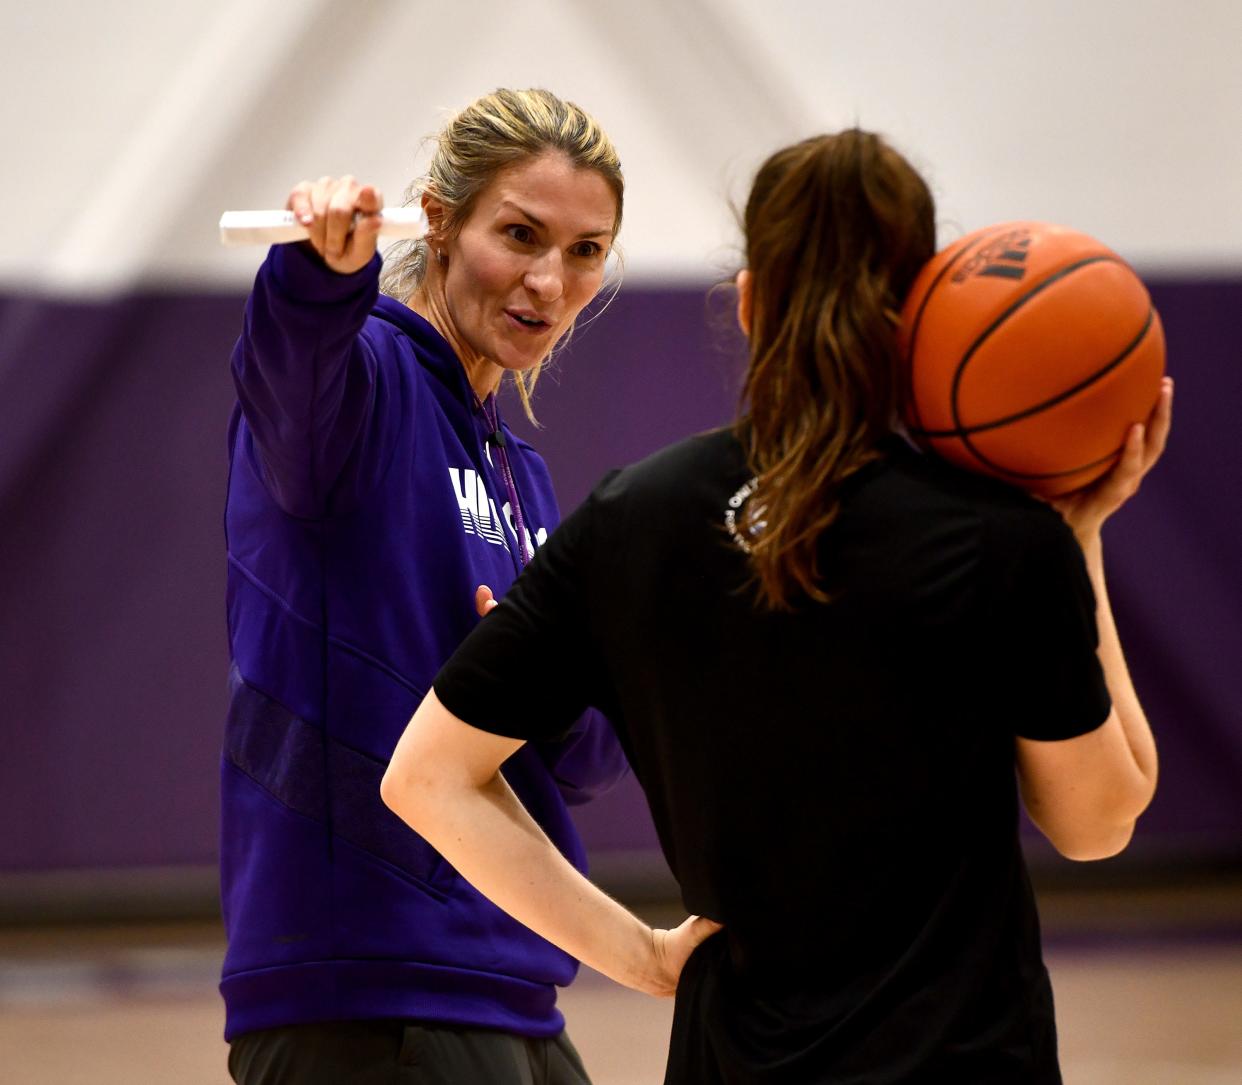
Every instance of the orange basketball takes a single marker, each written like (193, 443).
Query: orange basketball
(1030, 350)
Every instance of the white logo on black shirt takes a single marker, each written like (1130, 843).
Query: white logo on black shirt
(732, 513)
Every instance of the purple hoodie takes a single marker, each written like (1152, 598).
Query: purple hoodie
(365, 505)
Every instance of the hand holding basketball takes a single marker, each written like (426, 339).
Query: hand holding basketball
(343, 217)
(1086, 510)
(1030, 351)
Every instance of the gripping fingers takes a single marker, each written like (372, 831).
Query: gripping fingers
(341, 207)
(320, 194)
(1145, 443)
(341, 216)
(368, 219)
(1160, 422)
(299, 203)
(307, 201)
(1129, 471)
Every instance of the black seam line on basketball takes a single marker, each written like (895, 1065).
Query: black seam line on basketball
(970, 353)
(1052, 474)
(918, 320)
(1013, 308)
(1058, 398)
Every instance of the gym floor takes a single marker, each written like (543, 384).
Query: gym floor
(1148, 985)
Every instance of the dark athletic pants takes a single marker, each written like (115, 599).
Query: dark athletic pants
(400, 1053)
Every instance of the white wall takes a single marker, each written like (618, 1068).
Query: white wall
(129, 125)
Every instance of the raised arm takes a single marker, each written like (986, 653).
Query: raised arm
(1085, 793)
(304, 376)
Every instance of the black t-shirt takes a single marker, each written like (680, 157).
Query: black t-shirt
(835, 784)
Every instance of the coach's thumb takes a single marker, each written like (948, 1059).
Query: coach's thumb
(484, 601)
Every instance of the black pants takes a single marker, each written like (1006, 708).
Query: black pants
(400, 1053)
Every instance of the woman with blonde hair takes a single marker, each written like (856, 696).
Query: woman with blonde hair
(373, 487)
(837, 651)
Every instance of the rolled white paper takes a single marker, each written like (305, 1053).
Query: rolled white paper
(279, 227)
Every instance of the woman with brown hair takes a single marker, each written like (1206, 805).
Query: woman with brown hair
(840, 648)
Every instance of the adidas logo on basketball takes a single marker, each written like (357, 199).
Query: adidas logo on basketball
(1002, 258)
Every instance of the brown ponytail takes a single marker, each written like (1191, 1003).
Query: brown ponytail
(836, 227)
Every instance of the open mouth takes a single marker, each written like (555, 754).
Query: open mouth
(526, 320)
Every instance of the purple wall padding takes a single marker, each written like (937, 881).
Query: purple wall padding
(112, 471)
(112, 474)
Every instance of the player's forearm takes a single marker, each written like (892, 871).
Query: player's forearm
(1116, 673)
(490, 839)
